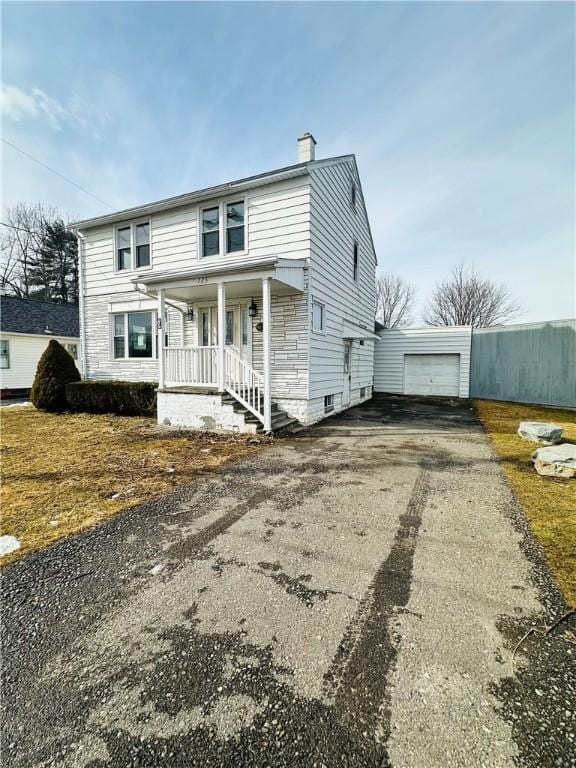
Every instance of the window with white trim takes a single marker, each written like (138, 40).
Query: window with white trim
(132, 335)
(328, 403)
(4, 353)
(142, 235)
(355, 263)
(234, 227)
(72, 350)
(211, 231)
(362, 391)
(124, 248)
(317, 316)
(353, 196)
(128, 257)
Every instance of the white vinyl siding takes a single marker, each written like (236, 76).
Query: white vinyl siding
(25, 352)
(395, 344)
(336, 227)
(277, 223)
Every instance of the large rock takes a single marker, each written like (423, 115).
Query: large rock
(556, 460)
(540, 432)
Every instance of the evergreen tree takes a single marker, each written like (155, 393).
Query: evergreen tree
(56, 368)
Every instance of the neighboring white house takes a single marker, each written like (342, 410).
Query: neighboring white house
(251, 303)
(423, 361)
(26, 327)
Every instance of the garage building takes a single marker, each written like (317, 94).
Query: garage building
(423, 361)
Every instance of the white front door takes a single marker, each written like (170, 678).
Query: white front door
(237, 327)
(347, 373)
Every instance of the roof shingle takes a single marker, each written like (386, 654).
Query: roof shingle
(39, 317)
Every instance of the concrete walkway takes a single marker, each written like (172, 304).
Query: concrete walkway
(348, 597)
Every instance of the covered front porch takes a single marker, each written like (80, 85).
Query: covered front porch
(229, 304)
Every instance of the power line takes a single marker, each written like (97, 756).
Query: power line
(61, 175)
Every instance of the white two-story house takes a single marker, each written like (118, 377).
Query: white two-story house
(250, 303)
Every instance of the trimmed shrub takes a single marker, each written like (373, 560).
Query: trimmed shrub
(55, 370)
(124, 398)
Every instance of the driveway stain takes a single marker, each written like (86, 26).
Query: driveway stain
(276, 634)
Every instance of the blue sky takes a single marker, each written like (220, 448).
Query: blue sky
(461, 116)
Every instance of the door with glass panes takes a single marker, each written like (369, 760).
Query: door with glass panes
(237, 327)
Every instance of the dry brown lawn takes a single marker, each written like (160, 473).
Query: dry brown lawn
(549, 503)
(63, 473)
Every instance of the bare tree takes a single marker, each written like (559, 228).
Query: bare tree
(38, 255)
(394, 301)
(468, 299)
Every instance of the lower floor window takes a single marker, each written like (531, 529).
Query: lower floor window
(362, 391)
(72, 350)
(132, 335)
(4, 353)
(328, 403)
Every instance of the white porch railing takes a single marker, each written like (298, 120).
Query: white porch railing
(191, 365)
(244, 383)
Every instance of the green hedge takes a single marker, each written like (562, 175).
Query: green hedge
(124, 398)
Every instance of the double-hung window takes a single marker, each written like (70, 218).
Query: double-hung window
(223, 228)
(142, 236)
(234, 227)
(132, 335)
(355, 263)
(4, 353)
(128, 257)
(317, 316)
(124, 248)
(211, 231)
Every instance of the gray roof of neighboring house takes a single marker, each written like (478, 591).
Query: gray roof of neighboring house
(269, 177)
(38, 317)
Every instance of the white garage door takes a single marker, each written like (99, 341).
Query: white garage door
(431, 375)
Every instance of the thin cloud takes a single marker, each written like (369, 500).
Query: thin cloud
(18, 105)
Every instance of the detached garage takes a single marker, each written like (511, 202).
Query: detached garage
(423, 361)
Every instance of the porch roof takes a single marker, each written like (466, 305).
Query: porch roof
(353, 331)
(242, 278)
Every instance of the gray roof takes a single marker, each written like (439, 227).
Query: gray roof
(39, 317)
(269, 177)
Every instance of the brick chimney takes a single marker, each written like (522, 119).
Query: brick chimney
(306, 148)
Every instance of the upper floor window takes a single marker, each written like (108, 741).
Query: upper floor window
(353, 196)
(140, 233)
(4, 353)
(234, 227)
(223, 228)
(132, 335)
(210, 232)
(123, 248)
(355, 262)
(143, 245)
(317, 316)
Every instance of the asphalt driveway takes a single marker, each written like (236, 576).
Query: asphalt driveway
(350, 596)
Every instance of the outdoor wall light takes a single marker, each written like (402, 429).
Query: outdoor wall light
(253, 309)
(189, 313)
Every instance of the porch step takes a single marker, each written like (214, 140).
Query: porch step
(281, 421)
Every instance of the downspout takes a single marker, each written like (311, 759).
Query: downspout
(81, 317)
(166, 301)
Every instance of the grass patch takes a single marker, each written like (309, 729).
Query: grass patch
(64, 473)
(549, 503)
